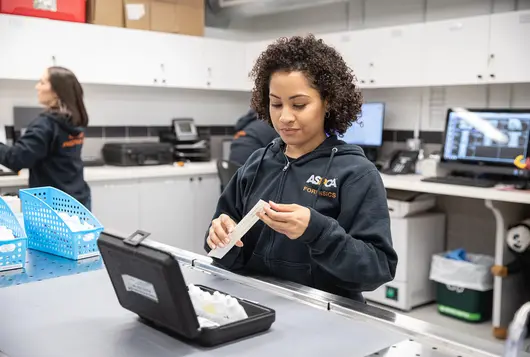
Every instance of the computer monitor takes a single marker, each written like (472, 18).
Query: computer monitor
(465, 144)
(368, 131)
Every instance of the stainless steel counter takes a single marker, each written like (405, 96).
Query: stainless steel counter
(424, 339)
(80, 316)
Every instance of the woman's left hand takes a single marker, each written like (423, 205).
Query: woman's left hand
(291, 220)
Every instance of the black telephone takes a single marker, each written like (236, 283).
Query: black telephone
(402, 162)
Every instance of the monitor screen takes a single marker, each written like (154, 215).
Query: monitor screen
(465, 143)
(185, 127)
(368, 131)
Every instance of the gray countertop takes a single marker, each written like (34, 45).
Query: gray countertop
(80, 316)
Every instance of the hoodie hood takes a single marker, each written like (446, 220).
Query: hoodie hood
(64, 121)
(246, 119)
(328, 150)
(331, 146)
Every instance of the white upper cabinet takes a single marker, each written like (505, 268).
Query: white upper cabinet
(386, 57)
(456, 51)
(397, 58)
(475, 50)
(110, 56)
(357, 51)
(225, 65)
(181, 60)
(25, 50)
(509, 57)
(252, 51)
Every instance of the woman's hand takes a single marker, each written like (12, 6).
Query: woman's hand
(220, 231)
(291, 220)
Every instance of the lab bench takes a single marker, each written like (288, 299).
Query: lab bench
(80, 315)
(187, 196)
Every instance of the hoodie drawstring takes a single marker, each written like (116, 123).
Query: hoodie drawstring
(333, 152)
(330, 161)
(259, 165)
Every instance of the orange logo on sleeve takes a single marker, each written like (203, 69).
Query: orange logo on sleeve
(239, 134)
(74, 140)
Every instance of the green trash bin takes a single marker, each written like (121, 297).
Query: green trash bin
(464, 289)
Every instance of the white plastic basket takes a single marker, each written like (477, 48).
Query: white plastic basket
(475, 274)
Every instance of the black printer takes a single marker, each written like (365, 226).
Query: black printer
(137, 153)
(185, 140)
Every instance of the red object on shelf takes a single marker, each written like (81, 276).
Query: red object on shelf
(64, 10)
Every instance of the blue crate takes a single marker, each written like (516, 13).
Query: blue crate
(48, 232)
(12, 252)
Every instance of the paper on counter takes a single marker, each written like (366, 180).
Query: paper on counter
(240, 230)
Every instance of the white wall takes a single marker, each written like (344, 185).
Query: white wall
(404, 105)
(115, 105)
(110, 105)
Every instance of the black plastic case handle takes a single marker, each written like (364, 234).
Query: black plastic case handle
(136, 238)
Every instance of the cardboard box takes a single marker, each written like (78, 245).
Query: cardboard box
(137, 14)
(105, 12)
(184, 17)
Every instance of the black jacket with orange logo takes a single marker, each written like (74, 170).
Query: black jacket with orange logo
(51, 150)
(346, 248)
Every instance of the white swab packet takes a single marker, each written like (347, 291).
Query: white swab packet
(240, 230)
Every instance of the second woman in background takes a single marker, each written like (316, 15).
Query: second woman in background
(51, 145)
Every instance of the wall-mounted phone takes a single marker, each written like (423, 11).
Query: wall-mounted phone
(402, 162)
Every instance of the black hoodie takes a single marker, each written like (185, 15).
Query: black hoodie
(347, 247)
(51, 150)
(251, 134)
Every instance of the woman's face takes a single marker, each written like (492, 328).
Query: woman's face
(297, 111)
(45, 93)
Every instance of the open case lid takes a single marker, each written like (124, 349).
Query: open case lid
(149, 282)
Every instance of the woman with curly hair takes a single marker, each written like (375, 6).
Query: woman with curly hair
(328, 225)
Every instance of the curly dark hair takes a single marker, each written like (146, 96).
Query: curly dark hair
(325, 69)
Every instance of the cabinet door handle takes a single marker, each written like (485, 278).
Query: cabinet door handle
(372, 81)
(492, 75)
(200, 179)
(479, 76)
(155, 81)
(191, 179)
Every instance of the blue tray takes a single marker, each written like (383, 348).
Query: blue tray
(42, 266)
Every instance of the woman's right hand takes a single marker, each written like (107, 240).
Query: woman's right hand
(220, 230)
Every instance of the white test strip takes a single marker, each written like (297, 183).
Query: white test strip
(240, 230)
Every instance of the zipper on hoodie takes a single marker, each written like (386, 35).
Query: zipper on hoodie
(277, 200)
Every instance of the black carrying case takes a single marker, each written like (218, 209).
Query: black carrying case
(160, 294)
(137, 154)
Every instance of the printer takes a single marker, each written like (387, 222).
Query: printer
(187, 146)
(137, 153)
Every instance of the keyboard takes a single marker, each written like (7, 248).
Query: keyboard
(463, 181)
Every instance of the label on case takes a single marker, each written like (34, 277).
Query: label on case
(140, 287)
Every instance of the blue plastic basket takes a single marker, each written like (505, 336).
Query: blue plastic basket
(12, 252)
(48, 232)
